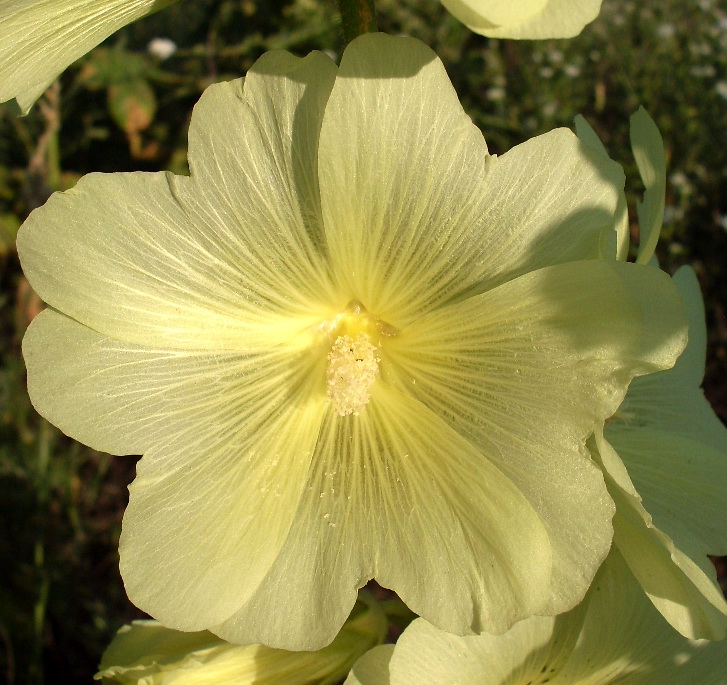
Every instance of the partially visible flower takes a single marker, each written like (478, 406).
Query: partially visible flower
(40, 38)
(664, 452)
(614, 636)
(147, 653)
(665, 455)
(525, 18)
(351, 344)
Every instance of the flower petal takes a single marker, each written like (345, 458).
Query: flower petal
(682, 483)
(672, 401)
(625, 640)
(424, 654)
(557, 19)
(42, 37)
(148, 653)
(396, 495)
(372, 668)
(493, 13)
(589, 137)
(528, 370)
(614, 636)
(687, 597)
(433, 217)
(648, 148)
(253, 157)
(227, 437)
(207, 262)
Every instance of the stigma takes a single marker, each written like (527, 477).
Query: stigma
(353, 366)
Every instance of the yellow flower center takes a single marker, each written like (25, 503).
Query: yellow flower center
(353, 360)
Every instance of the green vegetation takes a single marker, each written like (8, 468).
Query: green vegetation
(126, 106)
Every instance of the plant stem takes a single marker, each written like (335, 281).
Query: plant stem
(357, 17)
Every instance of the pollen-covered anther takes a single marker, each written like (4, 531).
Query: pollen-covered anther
(353, 366)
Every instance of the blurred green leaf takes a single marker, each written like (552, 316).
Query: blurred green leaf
(9, 225)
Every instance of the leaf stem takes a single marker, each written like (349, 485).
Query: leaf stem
(357, 17)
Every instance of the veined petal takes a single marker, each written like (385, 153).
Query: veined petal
(433, 218)
(400, 179)
(682, 483)
(253, 157)
(589, 137)
(42, 37)
(528, 370)
(546, 201)
(206, 262)
(396, 495)
(625, 640)
(554, 19)
(672, 401)
(228, 440)
(683, 592)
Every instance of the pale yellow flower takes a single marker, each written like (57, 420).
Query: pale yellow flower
(525, 18)
(147, 653)
(665, 456)
(351, 345)
(614, 636)
(40, 38)
(664, 453)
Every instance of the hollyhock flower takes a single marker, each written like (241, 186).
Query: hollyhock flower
(350, 345)
(664, 453)
(614, 636)
(40, 38)
(147, 653)
(525, 18)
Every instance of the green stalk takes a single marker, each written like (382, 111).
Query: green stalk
(357, 17)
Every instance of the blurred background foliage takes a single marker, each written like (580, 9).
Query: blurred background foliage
(126, 106)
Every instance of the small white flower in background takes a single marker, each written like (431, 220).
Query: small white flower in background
(495, 93)
(163, 48)
(666, 31)
(703, 71)
(572, 70)
(672, 214)
(680, 180)
(555, 56)
(721, 88)
(525, 19)
(550, 108)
